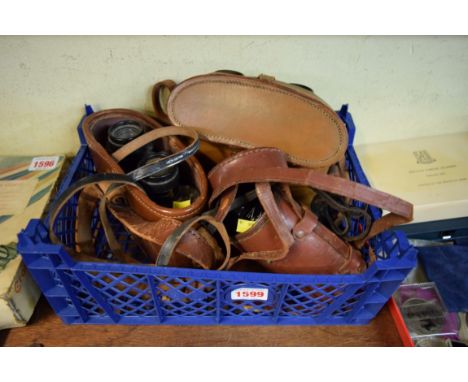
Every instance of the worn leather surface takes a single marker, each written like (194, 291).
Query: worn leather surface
(149, 223)
(193, 249)
(248, 112)
(288, 238)
(95, 127)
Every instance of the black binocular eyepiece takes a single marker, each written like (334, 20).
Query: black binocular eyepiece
(163, 187)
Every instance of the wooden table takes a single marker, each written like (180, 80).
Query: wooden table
(46, 329)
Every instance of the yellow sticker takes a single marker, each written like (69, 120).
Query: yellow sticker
(244, 225)
(181, 204)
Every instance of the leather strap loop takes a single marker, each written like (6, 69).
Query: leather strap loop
(267, 200)
(160, 100)
(163, 163)
(266, 77)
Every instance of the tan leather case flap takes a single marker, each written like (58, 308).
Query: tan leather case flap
(258, 112)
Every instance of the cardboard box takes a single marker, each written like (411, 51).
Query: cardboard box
(430, 172)
(26, 184)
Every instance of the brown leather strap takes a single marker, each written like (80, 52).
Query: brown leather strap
(267, 200)
(108, 182)
(163, 163)
(168, 248)
(90, 197)
(160, 100)
(223, 178)
(84, 233)
(400, 210)
(114, 245)
(151, 136)
(93, 187)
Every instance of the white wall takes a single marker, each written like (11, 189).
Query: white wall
(397, 87)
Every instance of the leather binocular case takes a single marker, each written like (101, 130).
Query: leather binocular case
(232, 112)
(288, 238)
(95, 128)
(111, 190)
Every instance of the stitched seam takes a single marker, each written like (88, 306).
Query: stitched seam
(201, 242)
(315, 104)
(272, 251)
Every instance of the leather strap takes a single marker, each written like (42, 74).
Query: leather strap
(268, 202)
(223, 178)
(341, 225)
(84, 213)
(112, 184)
(163, 163)
(114, 245)
(108, 182)
(168, 248)
(84, 233)
(160, 102)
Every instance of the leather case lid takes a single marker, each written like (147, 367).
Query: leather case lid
(258, 112)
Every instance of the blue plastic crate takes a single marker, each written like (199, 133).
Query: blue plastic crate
(108, 293)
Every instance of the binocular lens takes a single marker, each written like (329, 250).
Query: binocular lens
(123, 132)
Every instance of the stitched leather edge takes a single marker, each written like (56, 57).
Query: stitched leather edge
(262, 86)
